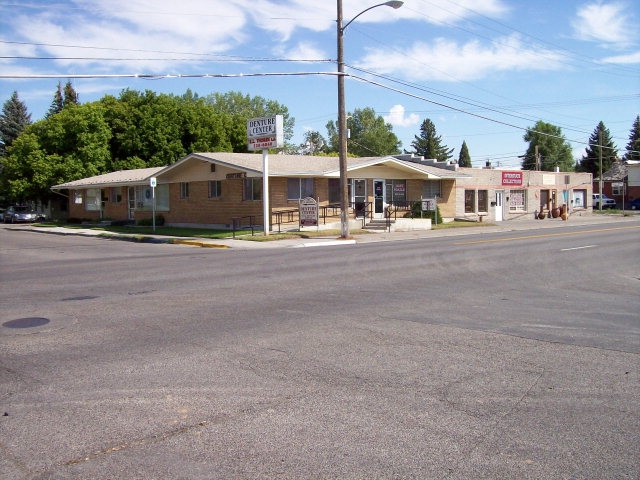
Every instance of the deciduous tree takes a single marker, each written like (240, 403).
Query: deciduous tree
(314, 144)
(553, 150)
(369, 135)
(241, 108)
(67, 146)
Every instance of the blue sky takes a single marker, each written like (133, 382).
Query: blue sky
(482, 70)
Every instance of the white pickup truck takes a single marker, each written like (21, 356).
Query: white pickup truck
(606, 201)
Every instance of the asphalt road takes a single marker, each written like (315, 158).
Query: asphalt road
(501, 355)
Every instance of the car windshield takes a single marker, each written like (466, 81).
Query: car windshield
(22, 209)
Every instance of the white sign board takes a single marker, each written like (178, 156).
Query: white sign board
(428, 204)
(308, 212)
(153, 182)
(265, 132)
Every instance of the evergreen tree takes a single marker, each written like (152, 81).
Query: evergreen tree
(57, 103)
(633, 147)
(600, 143)
(464, 159)
(70, 95)
(429, 145)
(13, 120)
(553, 150)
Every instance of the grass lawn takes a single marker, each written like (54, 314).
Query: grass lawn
(181, 232)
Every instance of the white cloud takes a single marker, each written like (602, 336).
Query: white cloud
(302, 51)
(397, 117)
(147, 26)
(447, 60)
(194, 28)
(602, 22)
(630, 59)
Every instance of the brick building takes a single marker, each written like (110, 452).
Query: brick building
(211, 189)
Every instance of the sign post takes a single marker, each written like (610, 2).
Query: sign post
(262, 134)
(308, 212)
(430, 205)
(154, 183)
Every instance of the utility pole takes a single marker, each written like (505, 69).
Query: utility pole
(342, 137)
(600, 158)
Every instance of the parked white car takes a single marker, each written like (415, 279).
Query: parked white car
(607, 202)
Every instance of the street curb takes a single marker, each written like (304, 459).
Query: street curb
(196, 243)
(326, 244)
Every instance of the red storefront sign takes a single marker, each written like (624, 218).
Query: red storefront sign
(512, 178)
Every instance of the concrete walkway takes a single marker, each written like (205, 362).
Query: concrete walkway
(332, 240)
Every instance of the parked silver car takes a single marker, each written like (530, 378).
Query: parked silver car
(21, 214)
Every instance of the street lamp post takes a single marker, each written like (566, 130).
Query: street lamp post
(342, 117)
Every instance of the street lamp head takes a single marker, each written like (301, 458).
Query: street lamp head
(395, 4)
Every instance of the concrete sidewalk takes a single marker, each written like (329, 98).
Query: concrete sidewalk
(332, 240)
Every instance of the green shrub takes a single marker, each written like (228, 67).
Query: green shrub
(416, 212)
(147, 222)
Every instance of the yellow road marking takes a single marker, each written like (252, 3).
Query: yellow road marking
(543, 235)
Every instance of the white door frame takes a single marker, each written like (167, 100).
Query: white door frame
(359, 202)
(379, 201)
(499, 212)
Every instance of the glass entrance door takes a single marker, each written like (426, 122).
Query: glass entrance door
(359, 198)
(132, 202)
(378, 199)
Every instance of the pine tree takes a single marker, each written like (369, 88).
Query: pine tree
(599, 143)
(13, 120)
(57, 104)
(70, 95)
(633, 147)
(464, 159)
(429, 144)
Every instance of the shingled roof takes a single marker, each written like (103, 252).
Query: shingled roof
(114, 179)
(617, 173)
(279, 166)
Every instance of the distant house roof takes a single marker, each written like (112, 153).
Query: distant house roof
(617, 172)
(113, 179)
(279, 166)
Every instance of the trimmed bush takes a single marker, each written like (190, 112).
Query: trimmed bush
(147, 222)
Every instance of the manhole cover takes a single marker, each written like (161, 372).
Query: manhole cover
(28, 322)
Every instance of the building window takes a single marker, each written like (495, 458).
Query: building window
(144, 197)
(94, 200)
(579, 198)
(115, 194)
(517, 201)
(184, 190)
(298, 188)
(77, 197)
(469, 201)
(431, 189)
(617, 188)
(396, 191)
(215, 188)
(483, 200)
(334, 190)
(252, 189)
